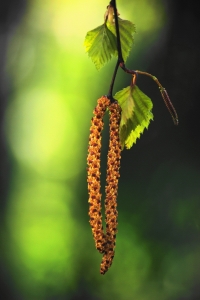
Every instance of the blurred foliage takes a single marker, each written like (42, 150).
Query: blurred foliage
(48, 243)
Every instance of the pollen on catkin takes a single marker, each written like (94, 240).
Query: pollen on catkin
(113, 165)
(93, 173)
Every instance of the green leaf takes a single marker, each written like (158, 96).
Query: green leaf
(126, 30)
(125, 99)
(100, 43)
(136, 114)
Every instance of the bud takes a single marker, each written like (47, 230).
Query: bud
(169, 105)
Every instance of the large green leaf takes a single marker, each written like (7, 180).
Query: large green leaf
(136, 114)
(100, 43)
(126, 30)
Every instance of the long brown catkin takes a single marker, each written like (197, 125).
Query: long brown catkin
(93, 173)
(113, 165)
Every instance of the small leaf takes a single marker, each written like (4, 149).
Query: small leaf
(136, 114)
(100, 43)
(126, 30)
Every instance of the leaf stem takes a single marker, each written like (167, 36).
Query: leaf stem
(133, 81)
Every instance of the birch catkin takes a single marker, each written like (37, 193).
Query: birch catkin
(113, 165)
(93, 174)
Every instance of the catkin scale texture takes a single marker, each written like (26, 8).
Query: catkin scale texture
(113, 165)
(93, 173)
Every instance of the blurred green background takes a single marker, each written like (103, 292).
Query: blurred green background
(48, 249)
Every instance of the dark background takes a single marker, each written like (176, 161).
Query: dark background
(11, 12)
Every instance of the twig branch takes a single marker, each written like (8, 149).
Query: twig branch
(110, 92)
(120, 61)
(119, 48)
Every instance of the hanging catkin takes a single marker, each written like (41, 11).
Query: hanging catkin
(113, 165)
(93, 174)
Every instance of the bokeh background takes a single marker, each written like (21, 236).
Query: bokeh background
(48, 89)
